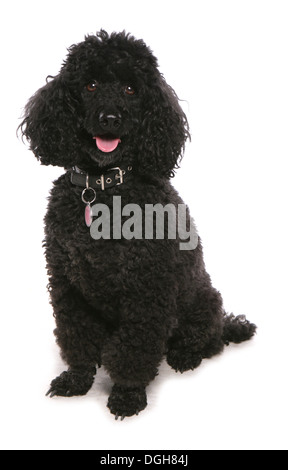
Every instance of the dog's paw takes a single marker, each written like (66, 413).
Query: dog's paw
(181, 360)
(124, 402)
(72, 383)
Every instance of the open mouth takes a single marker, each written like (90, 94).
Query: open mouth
(107, 144)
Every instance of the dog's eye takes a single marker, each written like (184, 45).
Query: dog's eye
(129, 90)
(92, 85)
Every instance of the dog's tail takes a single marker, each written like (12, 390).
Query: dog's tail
(237, 329)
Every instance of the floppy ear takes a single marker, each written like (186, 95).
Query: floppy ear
(50, 115)
(164, 131)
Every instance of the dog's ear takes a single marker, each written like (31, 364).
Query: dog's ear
(164, 131)
(49, 115)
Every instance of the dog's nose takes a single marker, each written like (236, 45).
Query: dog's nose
(110, 122)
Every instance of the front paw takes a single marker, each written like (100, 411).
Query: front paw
(125, 401)
(72, 383)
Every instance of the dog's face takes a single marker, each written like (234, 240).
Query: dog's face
(109, 105)
(111, 111)
(111, 115)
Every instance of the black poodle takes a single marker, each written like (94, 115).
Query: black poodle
(110, 119)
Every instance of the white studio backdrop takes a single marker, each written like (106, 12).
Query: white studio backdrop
(227, 61)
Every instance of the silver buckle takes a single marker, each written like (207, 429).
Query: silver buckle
(120, 175)
(101, 180)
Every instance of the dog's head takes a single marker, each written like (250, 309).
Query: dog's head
(108, 105)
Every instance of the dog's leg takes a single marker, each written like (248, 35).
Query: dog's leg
(131, 358)
(134, 352)
(204, 328)
(80, 338)
(200, 330)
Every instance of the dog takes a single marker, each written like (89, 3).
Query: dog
(113, 123)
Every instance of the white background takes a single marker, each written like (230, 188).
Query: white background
(228, 61)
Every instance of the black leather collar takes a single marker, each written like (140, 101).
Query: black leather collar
(111, 177)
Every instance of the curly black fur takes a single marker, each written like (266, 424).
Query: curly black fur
(120, 303)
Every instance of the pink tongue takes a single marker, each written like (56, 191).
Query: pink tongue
(106, 145)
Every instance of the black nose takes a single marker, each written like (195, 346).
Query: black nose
(110, 122)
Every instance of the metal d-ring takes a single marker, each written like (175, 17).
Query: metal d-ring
(88, 188)
(83, 195)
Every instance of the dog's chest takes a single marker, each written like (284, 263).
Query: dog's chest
(100, 269)
(105, 268)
